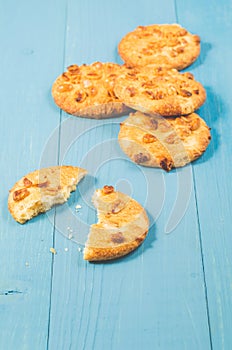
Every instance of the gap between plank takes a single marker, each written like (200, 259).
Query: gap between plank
(58, 162)
(176, 12)
(195, 195)
(199, 230)
(202, 263)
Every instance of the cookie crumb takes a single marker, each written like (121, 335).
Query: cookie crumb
(70, 236)
(78, 206)
(52, 250)
(27, 264)
(65, 249)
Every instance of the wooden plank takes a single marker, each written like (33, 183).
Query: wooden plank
(213, 184)
(31, 36)
(155, 297)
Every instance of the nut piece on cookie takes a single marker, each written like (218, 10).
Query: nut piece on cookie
(87, 91)
(38, 191)
(159, 90)
(109, 201)
(173, 142)
(122, 226)
(166, 45)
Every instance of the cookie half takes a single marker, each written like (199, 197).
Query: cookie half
(166, 45)
(38, 191)
(163, 142)
(158, 90)
(122, 226)
(87, 91)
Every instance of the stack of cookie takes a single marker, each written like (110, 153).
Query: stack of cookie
(164, 131)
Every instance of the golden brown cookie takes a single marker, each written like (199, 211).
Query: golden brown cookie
(158, 90)
(122, 226)
(163, 142)
(87, 91)
(166, 45)
(38, 191)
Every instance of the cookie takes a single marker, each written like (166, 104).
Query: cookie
(122, 226)
(38, 191)
(163, 142)
(87, 91)
(158, 90)
(166, 45)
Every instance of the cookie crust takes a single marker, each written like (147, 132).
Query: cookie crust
(159, 90)
(163, 142)
(166, 45)
(87, 91)
(122, 226)
(41, 189)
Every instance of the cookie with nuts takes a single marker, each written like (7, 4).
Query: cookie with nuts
(159, 90)
(166, 45)
(122, 226)
(87, 91)
(40, 190)
(163, 142)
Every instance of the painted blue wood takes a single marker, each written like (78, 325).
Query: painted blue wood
(155, 297)
(213, 184)
(174, 292)
(31, 37)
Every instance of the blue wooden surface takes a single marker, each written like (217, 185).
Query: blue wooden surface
(175, 291)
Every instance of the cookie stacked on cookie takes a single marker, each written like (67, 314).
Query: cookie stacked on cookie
(165, 132)
(166, 92)
(165, 45)
(88, 91)
(150, 83)
(154, 141)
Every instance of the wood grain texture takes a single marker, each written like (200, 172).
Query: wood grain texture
(174, 292)
(155, 297)
(213, 184)
(29, 50)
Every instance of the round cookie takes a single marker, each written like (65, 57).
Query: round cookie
(41, 189)
(163, 142)
(122, 226)
(87, 91)
(167, 45)
(159, 90)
